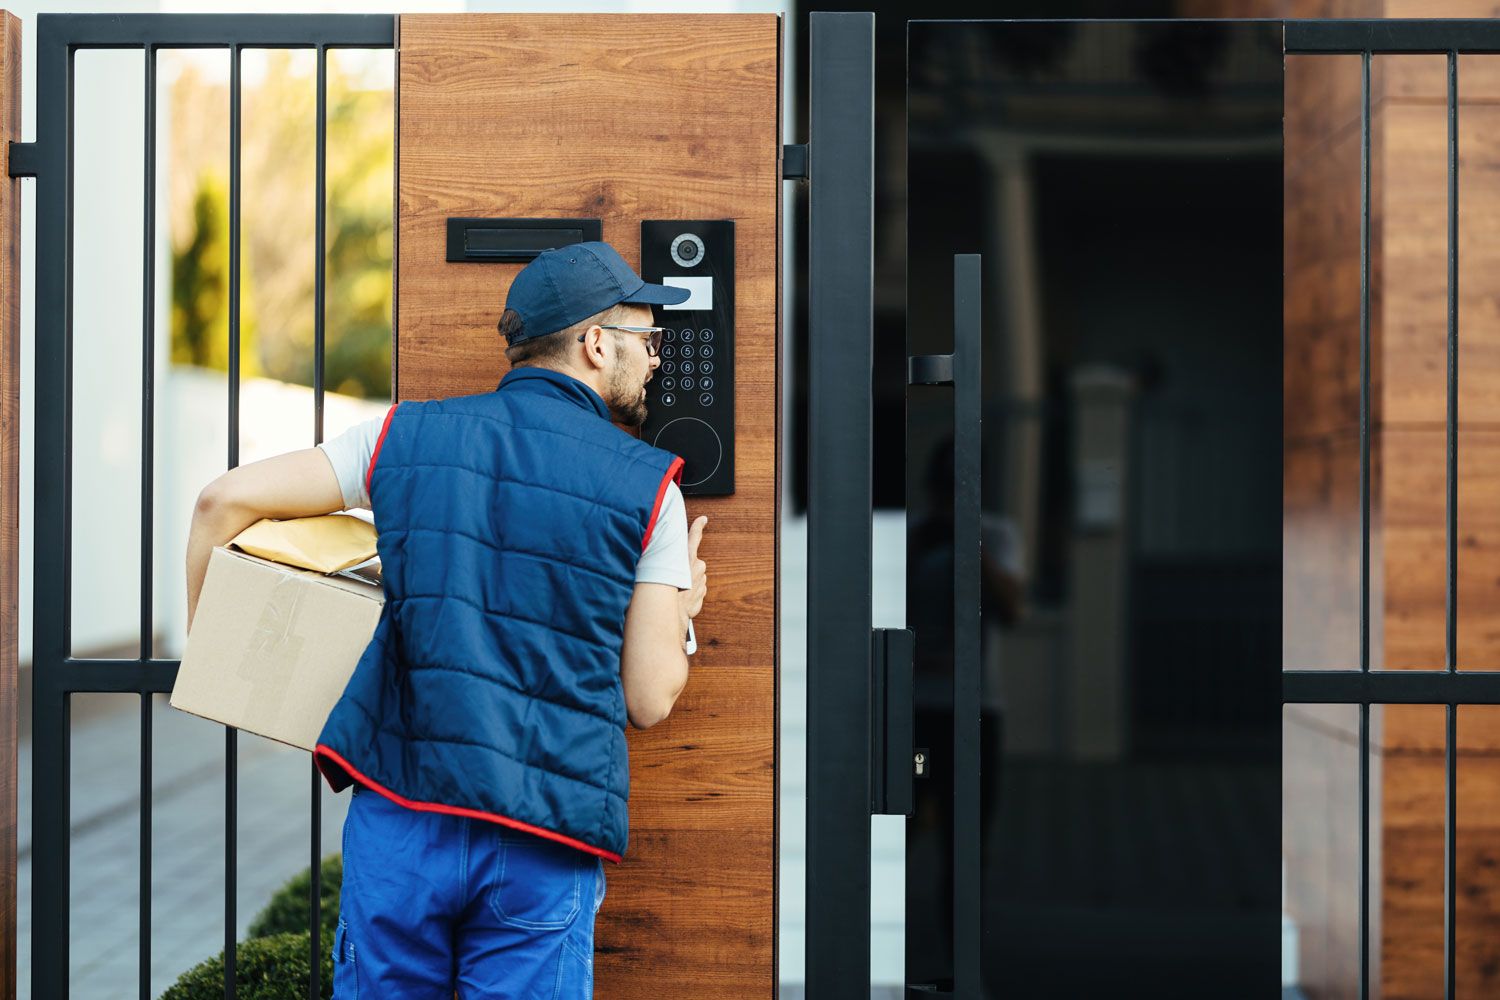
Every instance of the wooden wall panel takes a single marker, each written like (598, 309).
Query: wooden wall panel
(629, 117)
(10, 478)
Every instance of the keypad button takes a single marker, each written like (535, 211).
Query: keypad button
(688, 368)
(688, 385)
(668, 367)
(706, 336)
(688, 350)
(706, 367)
(706, 383)
(668, 336)
(668, 384)
(707, 399)
(687, 336)
(668, 398)
(668, 351)
(706, 351)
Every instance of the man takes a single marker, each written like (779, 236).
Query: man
(540, 583)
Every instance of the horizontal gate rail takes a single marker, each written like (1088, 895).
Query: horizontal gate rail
(1390, 687)
(1393, 37)
(57, 673)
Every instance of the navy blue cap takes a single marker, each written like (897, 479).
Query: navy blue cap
(563, 286)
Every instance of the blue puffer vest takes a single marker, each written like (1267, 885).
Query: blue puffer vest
(510, 526)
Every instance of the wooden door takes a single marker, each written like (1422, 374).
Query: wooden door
(624, 118)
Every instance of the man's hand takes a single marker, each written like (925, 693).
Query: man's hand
(691, 600)
(297, 484)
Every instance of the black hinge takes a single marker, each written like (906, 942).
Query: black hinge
(23, 157)
(929, 369)
(892, 764)
(794, 162)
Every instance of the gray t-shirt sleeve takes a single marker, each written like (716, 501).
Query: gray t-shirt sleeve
(349, 454)
(666, 557)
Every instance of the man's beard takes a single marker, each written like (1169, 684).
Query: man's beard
(627, 404)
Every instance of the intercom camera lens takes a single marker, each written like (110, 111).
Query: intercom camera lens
(687, 250)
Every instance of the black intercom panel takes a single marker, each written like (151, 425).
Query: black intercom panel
(690, 401)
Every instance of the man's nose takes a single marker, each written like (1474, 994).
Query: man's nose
(655, 361)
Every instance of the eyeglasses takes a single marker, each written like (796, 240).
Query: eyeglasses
(652, 334)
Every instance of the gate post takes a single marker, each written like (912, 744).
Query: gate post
(10, 490)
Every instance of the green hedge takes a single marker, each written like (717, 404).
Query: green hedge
(268, 968)
(272, 964)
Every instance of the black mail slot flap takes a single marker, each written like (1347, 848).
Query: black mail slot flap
(517, 241)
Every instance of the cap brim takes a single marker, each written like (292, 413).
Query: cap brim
(657, 295)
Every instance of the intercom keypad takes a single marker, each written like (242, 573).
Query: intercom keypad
(691, 398)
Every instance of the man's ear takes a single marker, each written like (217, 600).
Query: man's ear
(593, 347)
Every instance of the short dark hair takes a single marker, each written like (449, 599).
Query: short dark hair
(551, 348)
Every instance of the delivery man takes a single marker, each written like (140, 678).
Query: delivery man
(540, 583)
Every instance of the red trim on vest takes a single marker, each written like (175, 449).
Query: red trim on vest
(515, 824)
(378, 442)
(674, 475)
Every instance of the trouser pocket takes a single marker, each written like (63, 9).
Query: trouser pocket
(345, 983)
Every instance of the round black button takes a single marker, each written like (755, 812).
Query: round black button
(688, 350)
(706, 383)
(668, 384)
(668, 398)
(687, 336)
(688, 385)
(669, 335)
(706, 335)
(668, 367)
(706, 351)
(707, 367)
(668, 351)
(697, 443)
(707, 399)
(687, 368)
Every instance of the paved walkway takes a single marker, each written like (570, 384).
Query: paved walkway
(274, 840)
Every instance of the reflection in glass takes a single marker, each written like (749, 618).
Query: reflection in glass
(1123, 183)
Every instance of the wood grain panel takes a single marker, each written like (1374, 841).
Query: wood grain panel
(10, 495)
(624, 118)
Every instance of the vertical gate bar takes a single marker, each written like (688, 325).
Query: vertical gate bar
(966, 624)
(231, 756)
(841, 139)
(315, 886)
(1450, 760)
(1364, 524)
(148, 462)
(52, 551)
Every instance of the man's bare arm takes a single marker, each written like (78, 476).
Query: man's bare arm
(297, 484)
(653, 666)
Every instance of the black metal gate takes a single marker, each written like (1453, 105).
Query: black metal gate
(58, 674)
(860, 695)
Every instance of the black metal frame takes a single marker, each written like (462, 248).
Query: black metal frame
(841, 262)
(58, 675)
(838, 897)
(1447, 687)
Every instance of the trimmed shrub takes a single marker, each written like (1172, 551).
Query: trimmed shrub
(287, 912)
(268, 968)
(272, 964)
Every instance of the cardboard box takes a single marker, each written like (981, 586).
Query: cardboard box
(272, 645)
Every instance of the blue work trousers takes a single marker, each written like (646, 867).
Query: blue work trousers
(434, 903)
